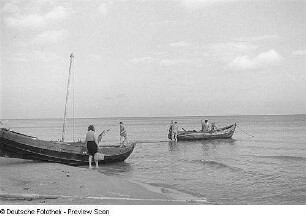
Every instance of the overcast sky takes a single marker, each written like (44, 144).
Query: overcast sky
(153, 58)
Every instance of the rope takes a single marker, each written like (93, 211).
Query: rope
(244, 131)
(150, 141)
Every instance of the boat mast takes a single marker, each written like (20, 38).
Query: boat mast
(67, 93)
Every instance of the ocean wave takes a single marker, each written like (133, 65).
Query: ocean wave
(215, 164)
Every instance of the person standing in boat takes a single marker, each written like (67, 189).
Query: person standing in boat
(170, 134)
(213, 127)
(174, 131)
(206, 127)
(123, 134)
(203, 126)
(92, 145)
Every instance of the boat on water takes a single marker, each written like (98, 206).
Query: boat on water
(18, 145)
(221, 133)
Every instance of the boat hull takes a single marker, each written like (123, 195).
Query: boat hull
(223, 133)
(16, 145)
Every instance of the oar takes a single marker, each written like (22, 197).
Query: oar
(102, 134)
(184, 129)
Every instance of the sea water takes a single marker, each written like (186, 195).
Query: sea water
(263, 163)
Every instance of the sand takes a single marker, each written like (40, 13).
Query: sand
(77, 185)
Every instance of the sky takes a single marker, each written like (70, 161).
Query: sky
(138, 58)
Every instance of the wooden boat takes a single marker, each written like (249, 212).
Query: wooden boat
(17, 145)
(222, 133)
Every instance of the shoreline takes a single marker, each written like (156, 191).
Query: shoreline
(70, 185)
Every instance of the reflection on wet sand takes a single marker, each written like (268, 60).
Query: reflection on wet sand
(115, 169)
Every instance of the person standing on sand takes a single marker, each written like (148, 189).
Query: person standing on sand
(92, 145)
(123, 135)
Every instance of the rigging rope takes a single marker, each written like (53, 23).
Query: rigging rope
(244, 131)
(73, 82)
(151, 141)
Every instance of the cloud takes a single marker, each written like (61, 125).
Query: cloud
(142, 60)
(96, 57)
(167, 62)
(233, 46)
(181, 44)
(34, 56)
(103, 8)
(262, 60)
(239, 52)
(198, 4)
(226, 51)
(16, 19)
(121, 96)
(50, 37)
(10, 8)
(28, 21)
(57, 13)
(257, 38)
(194, 4)
(299, 53)
(173, 62)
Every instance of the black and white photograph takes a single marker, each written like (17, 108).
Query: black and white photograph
(188, 104)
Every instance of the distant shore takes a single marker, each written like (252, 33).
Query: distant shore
(78, 185)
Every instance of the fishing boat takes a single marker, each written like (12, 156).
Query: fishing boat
(17, 145)
(221, 133)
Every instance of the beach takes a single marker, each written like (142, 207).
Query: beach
(70, 185)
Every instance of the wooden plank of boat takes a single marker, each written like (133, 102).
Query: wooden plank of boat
(222, 133)
(17, 145)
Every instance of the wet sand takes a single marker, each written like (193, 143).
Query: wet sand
(76, 185)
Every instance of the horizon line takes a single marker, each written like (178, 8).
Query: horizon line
(116, 117)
